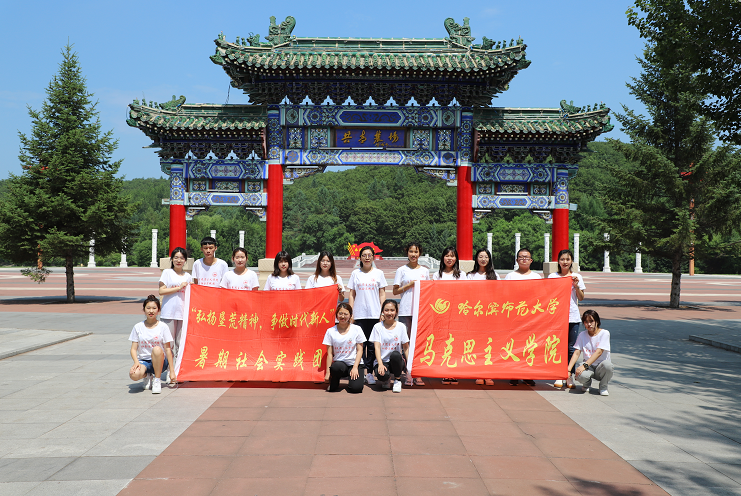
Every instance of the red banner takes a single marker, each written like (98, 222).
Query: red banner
(235, 335)
(491, 329)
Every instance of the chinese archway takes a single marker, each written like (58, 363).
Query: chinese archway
(434, 115)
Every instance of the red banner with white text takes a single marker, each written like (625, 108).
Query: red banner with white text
(491, 329)
(235, 335)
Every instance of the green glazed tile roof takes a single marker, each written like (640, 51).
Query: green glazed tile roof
(198, 118)
(527, 122)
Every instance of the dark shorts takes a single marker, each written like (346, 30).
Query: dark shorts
(150, 367)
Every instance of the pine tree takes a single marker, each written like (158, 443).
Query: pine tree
(676, 193)
(67, 193)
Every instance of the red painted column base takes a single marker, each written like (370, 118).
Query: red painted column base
(274, 221)
(177, 227)
(464, 214)
(560, 232)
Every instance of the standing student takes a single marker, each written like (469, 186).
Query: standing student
(449, 268)
(241, 277)
(282, 277)
(483, 271)
(367, 287)
(326, 275)
(172, 286)
(404, 280)
(523, 273)
(449, 271)
(344, 352)
(565, 261)
(390, 339)
(150, 348)
(209, 270)
(595, 344)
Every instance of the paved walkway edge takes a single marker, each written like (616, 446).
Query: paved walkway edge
(716, 344)
(9, 354)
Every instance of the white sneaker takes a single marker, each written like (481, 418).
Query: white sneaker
(558, 384)
(370, 379)
(604, 392)
(156, 386)
(148, 381)
(586, 386)
(397, 387)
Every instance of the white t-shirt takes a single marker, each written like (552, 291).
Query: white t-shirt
(343, 345)
(321, 282)
(479, 276)
(149, 338)
(448, 276)
(209, 275)
(366, 285)
(516, 276)
(574, 305)
(282, 283)
(588, 345)
(405, 275)
(390, 340)
(245, 282)
(172, 304)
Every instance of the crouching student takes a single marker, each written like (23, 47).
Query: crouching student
(150, 348)
(344, 351)
(595, 344)
(390, 338)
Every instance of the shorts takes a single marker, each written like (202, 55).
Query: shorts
(150, 367)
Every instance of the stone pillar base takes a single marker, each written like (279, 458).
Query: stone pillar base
(264, 269)
(466, 265)
(551, 267)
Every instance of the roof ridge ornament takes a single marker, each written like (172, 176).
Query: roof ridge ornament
(458, 34)
(280, 33)
(173, 104)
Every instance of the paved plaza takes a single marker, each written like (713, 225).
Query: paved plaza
(73, 423)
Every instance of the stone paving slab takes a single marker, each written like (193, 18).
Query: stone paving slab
(17, 341)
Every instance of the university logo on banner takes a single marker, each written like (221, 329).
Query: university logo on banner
(232, 335)
(491, 329)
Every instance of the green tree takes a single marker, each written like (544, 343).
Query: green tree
(67, 193)
(675, 193)
(705, 37)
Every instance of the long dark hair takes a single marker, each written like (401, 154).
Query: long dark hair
(282, 255)
(360, 256)
(488, 268)
(175, 251)
(456, 265)
(571, 255)
(332, 269)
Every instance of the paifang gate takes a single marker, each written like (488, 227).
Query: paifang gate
(441, 124)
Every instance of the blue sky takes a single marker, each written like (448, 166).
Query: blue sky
(580, 50)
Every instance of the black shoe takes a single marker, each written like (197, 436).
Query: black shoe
(514, 382)
(529, 382)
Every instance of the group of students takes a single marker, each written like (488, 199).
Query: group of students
(369, 327)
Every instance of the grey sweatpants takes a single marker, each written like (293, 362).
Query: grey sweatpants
(602, 373)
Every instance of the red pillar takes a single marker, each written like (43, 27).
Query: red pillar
(274, 221)
(464, 214)
(177, 227)
(560, 232)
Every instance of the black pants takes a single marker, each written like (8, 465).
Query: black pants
(338, 370)
(394, 366)
(573, 334)
(369, 350)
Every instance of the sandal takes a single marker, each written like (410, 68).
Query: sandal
(418, 381)
(446, 381)
(453, 381)
(409, 382)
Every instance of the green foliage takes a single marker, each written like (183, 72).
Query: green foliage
(67, 193)
(675, 193)
(702, 36)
